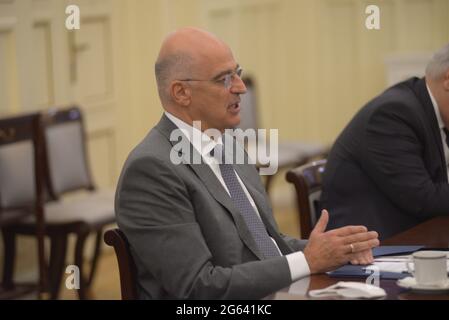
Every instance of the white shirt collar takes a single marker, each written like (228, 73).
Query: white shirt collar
(435, 107)
(204, 144)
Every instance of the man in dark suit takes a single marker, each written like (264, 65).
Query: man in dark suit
(206, 230)
(388, 168)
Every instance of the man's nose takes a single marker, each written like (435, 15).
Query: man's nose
(238, 86)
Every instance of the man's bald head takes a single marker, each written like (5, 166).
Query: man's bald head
(181, 53)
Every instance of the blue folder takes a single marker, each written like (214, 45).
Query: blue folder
(356, 271)
(350, 271)
(394, 250)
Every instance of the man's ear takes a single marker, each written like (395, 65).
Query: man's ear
(446, 81)
(180, 93)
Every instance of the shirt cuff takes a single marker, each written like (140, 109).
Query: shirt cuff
(299, 268)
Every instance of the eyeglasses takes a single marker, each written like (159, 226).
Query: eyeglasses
(225, 80)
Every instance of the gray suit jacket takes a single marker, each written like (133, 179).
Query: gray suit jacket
(186, 237)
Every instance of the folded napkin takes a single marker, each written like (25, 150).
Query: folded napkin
(350, 290)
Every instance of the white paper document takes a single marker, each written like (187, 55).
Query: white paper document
(395, 263)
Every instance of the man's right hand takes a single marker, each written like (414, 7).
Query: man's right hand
(329, 250)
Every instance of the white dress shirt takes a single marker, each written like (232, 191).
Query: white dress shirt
(441, 126)
(296, 261)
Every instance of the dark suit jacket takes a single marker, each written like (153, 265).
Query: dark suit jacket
(387, 169)
(186, 237)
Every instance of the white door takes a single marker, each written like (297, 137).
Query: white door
(43, 65)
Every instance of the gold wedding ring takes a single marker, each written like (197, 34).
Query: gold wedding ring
(352, 248)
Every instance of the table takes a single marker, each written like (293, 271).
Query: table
(433, 233)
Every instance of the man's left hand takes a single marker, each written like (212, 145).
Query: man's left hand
(363, 257)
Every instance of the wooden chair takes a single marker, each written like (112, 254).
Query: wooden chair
(290, 153)
(66, 170)
(21, 195)
(127, 269)
(307, 180)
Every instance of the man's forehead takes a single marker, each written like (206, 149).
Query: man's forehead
(217, 62)
(209, 56)
(227, 70)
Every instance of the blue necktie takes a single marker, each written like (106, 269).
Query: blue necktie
(241, 202)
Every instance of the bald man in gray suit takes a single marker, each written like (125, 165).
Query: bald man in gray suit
(197, 231)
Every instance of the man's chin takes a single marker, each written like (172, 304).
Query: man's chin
(234, 123)
(231, 125)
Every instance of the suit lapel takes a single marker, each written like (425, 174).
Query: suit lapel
(213, 185)
(423, 95)
(215, 188)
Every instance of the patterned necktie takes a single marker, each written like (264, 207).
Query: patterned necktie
(241, 202)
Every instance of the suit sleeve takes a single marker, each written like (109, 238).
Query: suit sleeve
(156, 214)
(392, 157)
